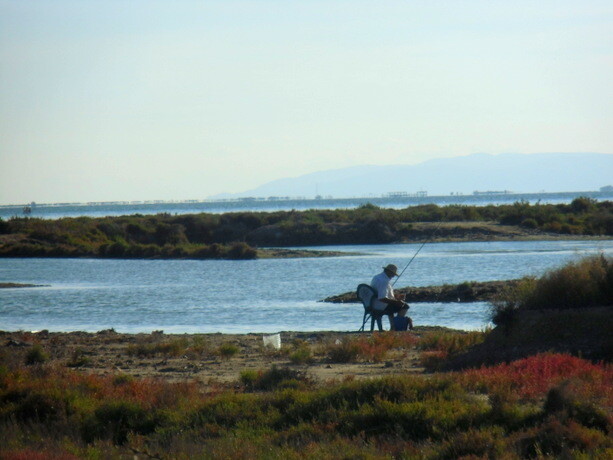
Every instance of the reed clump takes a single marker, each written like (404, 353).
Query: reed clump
(36, 355)
(228, 350)
(582, 284)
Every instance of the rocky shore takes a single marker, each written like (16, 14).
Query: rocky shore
(469, 291)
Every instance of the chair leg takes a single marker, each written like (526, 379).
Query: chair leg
(363, 322)
(379, 323)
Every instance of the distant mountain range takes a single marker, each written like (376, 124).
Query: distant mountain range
(518, 173)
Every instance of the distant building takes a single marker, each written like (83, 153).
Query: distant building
(421, 193)
(493, 192)
(397, 194)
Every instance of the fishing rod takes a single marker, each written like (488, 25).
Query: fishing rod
(417, 252)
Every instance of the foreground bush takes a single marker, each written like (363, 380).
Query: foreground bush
(547, 406)
(532, 377)
(439, 346)
(582, 284)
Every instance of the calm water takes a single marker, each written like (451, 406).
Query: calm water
(259, 295)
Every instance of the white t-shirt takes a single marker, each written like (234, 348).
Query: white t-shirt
(383, 285)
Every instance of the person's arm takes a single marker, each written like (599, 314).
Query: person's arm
(389, 297)
(383, 295)
(389, 301)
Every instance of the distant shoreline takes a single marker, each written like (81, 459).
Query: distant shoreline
(251, 235)
(256, 203)
(295, 253)
(20, 285)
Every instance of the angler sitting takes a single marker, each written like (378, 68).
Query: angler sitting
(387, 300)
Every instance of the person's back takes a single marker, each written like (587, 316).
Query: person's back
(381, 283)
(387, 301)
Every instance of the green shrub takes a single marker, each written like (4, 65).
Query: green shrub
(582, 204)
(241, 251)
(564, 401)
(115, 420)
(450, 342)
(437, 347)
(36, 355)
(507, 303)
(418, 420)
(122, 379)
(111, 228)
(304, 434)
(274, 378)
(249, 377)
(560, 439)
(529, 223)
(117, 249)
(37, 406)
(169, 234)
(198, 348)
(79, 359)
(217, 415)
(346, 351)
(433, 360)
(172, 348)
(473, 443)
(227, 350)
(4, 227)
(302, 355)
(372, 348)
(585, 283)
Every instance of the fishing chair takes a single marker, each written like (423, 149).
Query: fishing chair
(367, 296)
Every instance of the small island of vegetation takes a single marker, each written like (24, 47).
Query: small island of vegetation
(242, 235)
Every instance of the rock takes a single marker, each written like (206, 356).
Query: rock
(15, 343)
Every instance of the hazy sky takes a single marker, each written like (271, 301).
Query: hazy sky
(140, 100)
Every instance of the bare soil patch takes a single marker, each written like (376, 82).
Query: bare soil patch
(109, 352)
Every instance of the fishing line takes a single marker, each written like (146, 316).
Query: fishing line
(417, 252)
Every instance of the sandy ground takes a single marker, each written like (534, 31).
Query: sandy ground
(108, 352)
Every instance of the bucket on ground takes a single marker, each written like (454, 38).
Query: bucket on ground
(273, 340)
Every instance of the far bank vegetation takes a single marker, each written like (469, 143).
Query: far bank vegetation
(236, 235)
